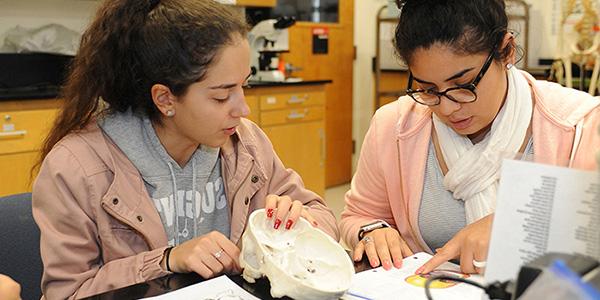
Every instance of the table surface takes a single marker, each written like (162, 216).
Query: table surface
(261, 288)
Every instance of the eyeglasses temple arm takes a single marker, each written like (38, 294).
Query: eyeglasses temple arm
(410, 80)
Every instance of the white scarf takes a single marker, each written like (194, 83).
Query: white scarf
(474, 170)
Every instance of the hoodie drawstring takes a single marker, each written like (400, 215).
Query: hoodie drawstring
(174, 182)
(194, 203)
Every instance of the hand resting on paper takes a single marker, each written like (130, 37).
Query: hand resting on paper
(382, 246)
(469, 244)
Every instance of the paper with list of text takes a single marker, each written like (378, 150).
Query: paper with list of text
(542, 208)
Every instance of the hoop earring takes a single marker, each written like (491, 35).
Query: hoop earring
(170, 113)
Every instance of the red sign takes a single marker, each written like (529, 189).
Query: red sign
(322, 32)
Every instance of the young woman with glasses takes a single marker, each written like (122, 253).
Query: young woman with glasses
(430, 163)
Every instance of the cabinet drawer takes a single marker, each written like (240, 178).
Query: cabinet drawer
(23, 131)
(294, 115)
(291, 100)
(252, 102)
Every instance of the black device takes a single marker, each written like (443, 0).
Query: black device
(586, 267)
(580, 264)
(32, 75)
(371, 226)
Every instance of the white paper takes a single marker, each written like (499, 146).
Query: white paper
(217, 288)
(404, 284)
(230, 2)
(542, 208)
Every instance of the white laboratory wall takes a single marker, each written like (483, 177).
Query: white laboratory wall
(73, 14)
(365, 15)
(543, 28)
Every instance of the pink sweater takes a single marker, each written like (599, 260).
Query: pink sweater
(389, 179)
(99, 228)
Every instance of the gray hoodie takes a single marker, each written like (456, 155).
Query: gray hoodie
(201, 205)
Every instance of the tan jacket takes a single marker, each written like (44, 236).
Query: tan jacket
(99, 228)
(389, 178)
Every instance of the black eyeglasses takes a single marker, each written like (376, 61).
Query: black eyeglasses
(461, 94)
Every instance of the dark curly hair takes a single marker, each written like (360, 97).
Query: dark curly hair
(134, 44)
(467, 26)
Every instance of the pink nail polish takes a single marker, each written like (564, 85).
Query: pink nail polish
(288, 224)
(419, 271)
(398, 264)
(277, 223)
(269, 213)
(386, 265)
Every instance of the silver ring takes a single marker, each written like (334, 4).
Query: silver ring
(367, 239)
(479, 264)
(218, 254)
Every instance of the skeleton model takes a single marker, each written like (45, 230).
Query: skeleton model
(578, 42)
(301, 263)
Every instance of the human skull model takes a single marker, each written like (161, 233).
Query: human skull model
(301, 263)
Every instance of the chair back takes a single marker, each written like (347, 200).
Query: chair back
(20, 244)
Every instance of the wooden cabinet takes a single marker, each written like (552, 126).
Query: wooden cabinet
(293, 117)
(256, 3)
(24, 126)
(390, 74)
(301, 147)
(254, 111)
(391, 84)
(336, 65)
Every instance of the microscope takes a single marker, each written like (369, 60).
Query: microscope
(267, 40)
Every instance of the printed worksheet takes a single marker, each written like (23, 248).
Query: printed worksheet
(404, 284)
(220, 288)
(542, 208)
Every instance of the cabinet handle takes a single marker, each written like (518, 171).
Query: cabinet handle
(296, 115)
(296, 100)
(11, 134)
(323, 146)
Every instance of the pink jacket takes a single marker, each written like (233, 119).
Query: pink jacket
(99, 228)
(389, 179)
